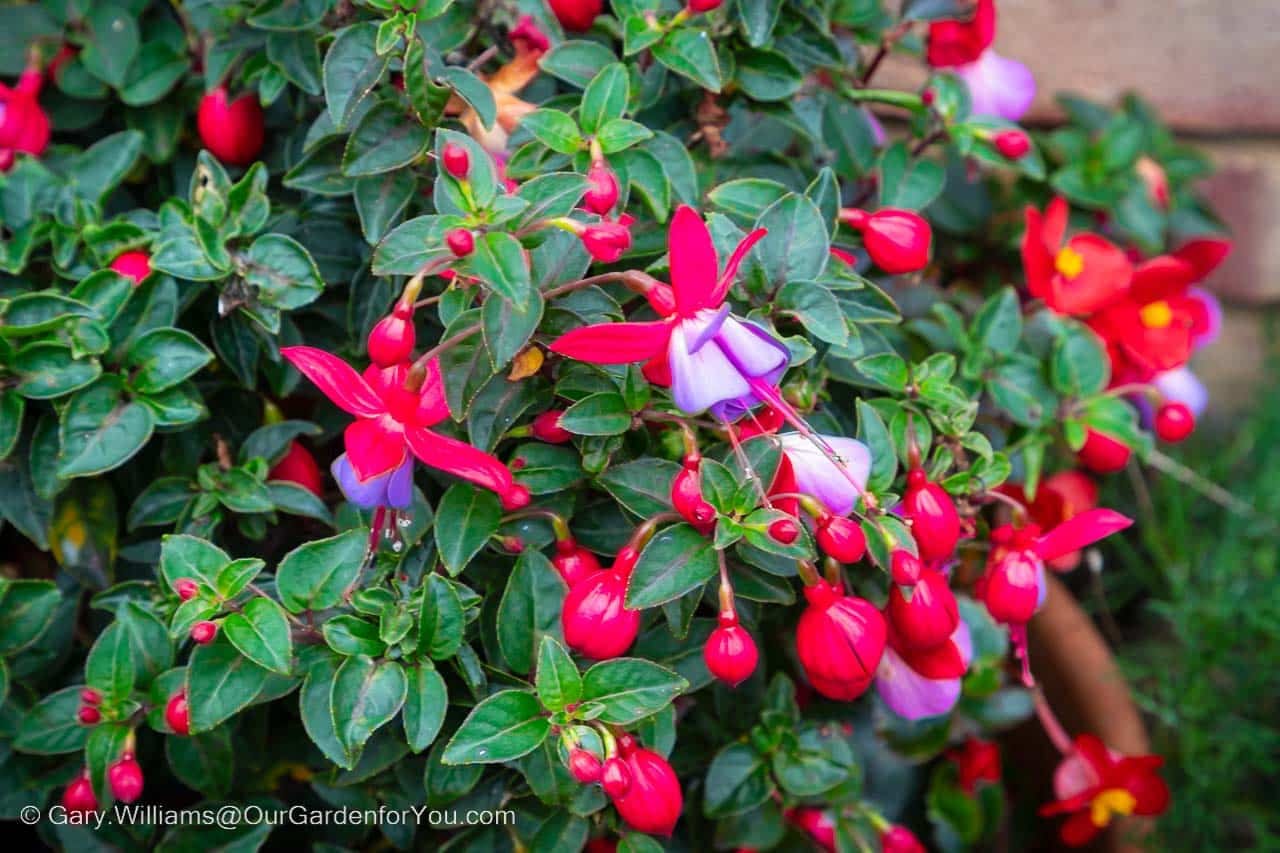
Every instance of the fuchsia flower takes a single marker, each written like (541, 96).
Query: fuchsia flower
(24, 125)
(716, 361)
(392, 426)
(917, 683)
(999, 87)
(807, 469)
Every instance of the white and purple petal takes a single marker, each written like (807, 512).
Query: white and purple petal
(818, 476)
(998, 87)
(913, 696)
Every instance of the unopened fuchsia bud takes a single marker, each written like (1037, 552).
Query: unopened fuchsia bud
(574, 562)
(457, 162)
(839, 640)
(899, 839)
(125, 779)
(546, 427)
(595, 618)
(177, 713)
(841, 538)
(299, 467)
(576, 16)
(135, 265)
(393, 338)
(232, 130)
(1102, 454)
(686, 496)
(926, 614)
(898, 241)
(784, 531)
(818, 824)
(1013, 585)
(615, 777)
(89, 715)
(186, 588)
(89, 696)
(602, 190)
(653, 801)
(935, 523)
(204, 632)
(515, 497)
(460, 241)
(730, 652)
(79, 797)
(512, 544)
(584, 765)
(1013, 144)
(904, 567)
(698, 7)
(607, 241)
(1174, 421)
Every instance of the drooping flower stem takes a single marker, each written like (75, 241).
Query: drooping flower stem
(558, 525)
(808, 573)
(726, 587)
(1049, 721)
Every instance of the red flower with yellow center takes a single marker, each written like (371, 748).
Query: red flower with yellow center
(1075, 276)
(1094, 785)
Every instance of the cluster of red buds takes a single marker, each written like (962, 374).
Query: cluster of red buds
(641, 783)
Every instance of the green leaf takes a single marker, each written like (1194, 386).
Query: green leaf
(767, 75)
(620, 133)
(465, 519)
(32, 313)
(425, 705)
(758, 18)
(52, 727)
(411, 245)
(351, 635)
(48, 370)
(796, 246)
(558, 681)
(604, 413)
(529, 610)
(221, 682)
(554, 129)
(164, 357)
(27, 609)
(381, 199)
(383, 142)
(189, 557)
(998, 324)
(366, 695)
(508, 325)
(150, 647)
(474, 91)
(605, 97)
(499, 262)
(442, 621)
(737, 781)
(100, 431)
(642, 486)
(816, 308)
(315, 702)
(907, 183)
(351, 69)
(677, 560)
(261, 632)
(747, 197)
(111, 43)
(1079, 365)
(629, 689)
(689, 53)
(203, 762)
(283, 271)
(875, 435)
(577, 62)
(319, 574)
(503, 727)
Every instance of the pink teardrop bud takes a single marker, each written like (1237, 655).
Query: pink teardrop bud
(602, 190)
(457, 162)
(584, 765)
(125, 779)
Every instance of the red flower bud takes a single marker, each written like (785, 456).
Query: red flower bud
(392, 340)
(576, 16)
(186, 588)
(899, 839)
(299, 467)
(730, 652)
(817, 823)
(457, 162)
(89, 715)
(601, 845)
(606, 241)
(935, 524)
(897, 240)
(927, 97)
(595, 619)
(700, 6)
(602, 189)
(839, 641)
(1013, 584)
(653, 801)
(546, 427)
(926, 614)
(574, 562)
(516, 497)
(512, 544)
(24, 125)
(89, 696)
(204, 632)
(584, 765)
(784, 530)
(1102, 453)
(460, 241)
(178, 714)
(904, 567)
(1013, 144)
(125, 779)
(1174, 421)
(841, 538)
(134, 265)
(686, 496)
(78, 797)
(615, 777)
(231, 130)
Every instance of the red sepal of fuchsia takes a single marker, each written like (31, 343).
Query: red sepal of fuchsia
(615, 777)
(976, 761)
(460, 241)
(393, 421)
(899, 839)
(1103, 454)
(730, 652)
(177, 713)
(784, 531)
(602, 189)
(653, 801)
(925, 614)
(232, 130)
(818, 824)
(585, 765)
(576, 16)
(1013, 144)
(299, 467)
(574, 562)
(686, 496)
(935, 523)
(594, 617)
(898, 241)
(527, 36)
(456, 160)
(696, 284)
(24, 125)
(78, 796)
(1076, 276)
(89, 715)
(204, 632)
(961, 42)
(1060, 498)
(546, 427)
(1174, 421)
(839, 640)
(125, 778)
(841, 538)
(904, 567)
(1094, 784)
(392, 339)
(763, 421)
(134, 265)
